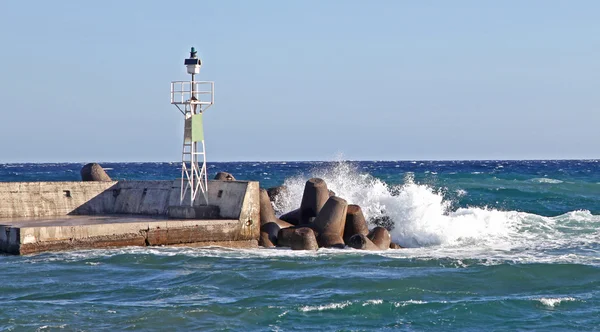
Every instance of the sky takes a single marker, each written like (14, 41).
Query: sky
(84, 81)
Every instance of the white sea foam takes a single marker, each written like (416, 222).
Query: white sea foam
(372, 302)
(461, 192)
(43, 327)
(409, 302)
(422, 217)
(553, 302)
(330, 306)
(546, 180)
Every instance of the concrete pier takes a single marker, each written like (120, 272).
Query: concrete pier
(47, 216)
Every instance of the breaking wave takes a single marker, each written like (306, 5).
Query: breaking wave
(421, 216)
(553, 302)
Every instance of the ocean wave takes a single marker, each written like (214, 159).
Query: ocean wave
(330, 306)
(546, 180)
(342, 305)
(372, 302)
(553, 302)
(409, 302)
(450, 257)
(44, 327)
(423, 217)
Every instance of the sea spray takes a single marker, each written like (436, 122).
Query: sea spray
(423, 216)
(344, 179)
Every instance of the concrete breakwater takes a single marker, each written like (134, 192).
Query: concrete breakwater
(99, 213)
(47, 216)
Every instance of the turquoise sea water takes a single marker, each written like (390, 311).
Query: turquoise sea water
(498, 245)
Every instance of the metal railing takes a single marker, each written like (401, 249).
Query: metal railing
(183, 91)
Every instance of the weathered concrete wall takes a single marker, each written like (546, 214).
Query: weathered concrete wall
(227, 195)
(45, 199)
(133, 197)
(250, 212)
(43, 216)
(40, 199)
(82, 232)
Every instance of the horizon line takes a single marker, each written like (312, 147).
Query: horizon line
(310, 161)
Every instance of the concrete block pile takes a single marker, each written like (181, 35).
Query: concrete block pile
(323, 220)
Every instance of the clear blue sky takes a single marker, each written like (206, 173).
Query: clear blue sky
(302, 80)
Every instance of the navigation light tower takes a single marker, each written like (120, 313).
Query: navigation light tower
(192, 98)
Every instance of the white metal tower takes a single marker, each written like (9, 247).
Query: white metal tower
(192, 98)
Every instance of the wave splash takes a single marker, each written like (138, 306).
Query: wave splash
(421, 215)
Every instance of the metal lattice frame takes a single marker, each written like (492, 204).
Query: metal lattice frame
(191, 98)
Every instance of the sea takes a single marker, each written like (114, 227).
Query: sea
(489, 245)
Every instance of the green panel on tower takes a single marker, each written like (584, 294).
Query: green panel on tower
(197, 128)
